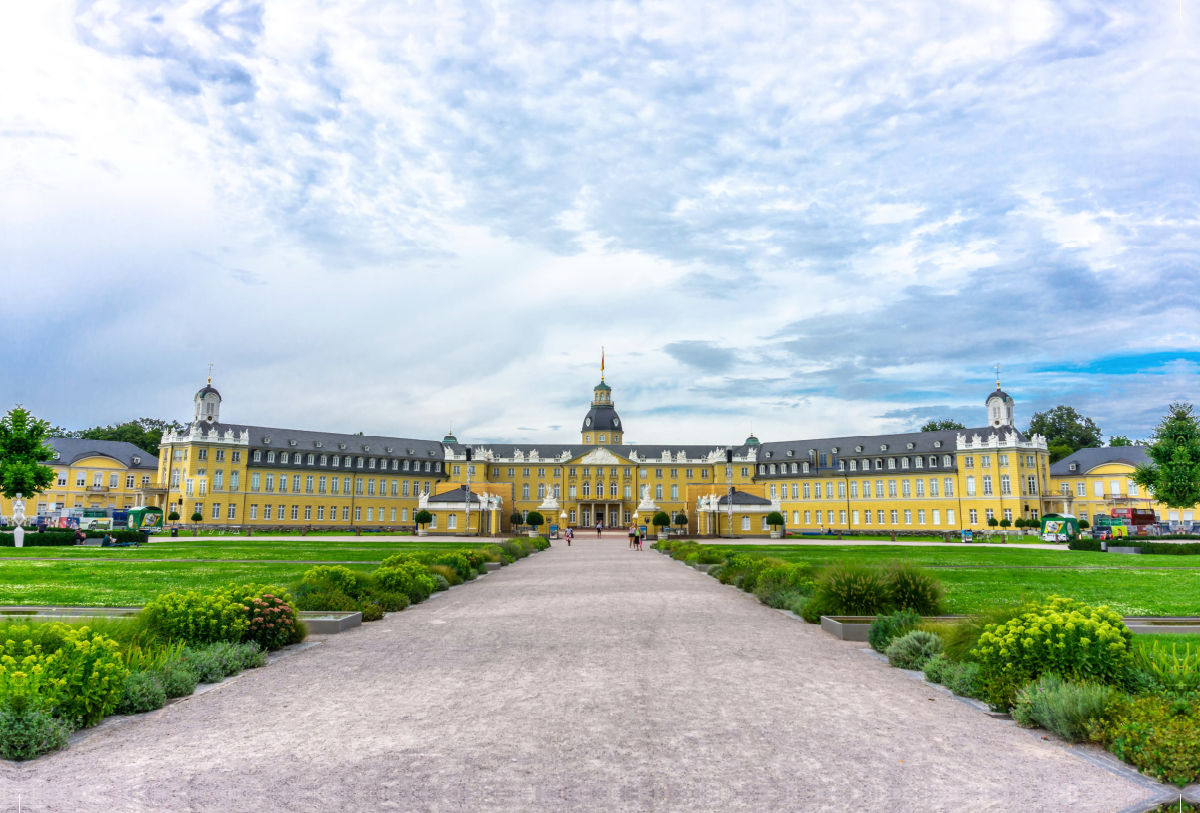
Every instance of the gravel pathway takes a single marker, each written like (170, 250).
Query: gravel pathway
(584, 678)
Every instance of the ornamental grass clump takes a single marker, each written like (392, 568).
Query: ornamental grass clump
(1070, 710)
(913, 649)
(458, 563)
(848, 588)
(913, 588)
(1167, 671)
(779, 586)
(446, 572)
(885, 628)
(1062, 636)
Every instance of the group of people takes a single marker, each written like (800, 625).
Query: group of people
(637, 537)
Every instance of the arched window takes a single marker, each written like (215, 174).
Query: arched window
(283, 457)
(587, 489)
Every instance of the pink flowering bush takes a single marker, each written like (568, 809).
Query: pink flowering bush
(271, 617)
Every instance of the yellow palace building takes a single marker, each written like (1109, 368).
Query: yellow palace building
(255, 476)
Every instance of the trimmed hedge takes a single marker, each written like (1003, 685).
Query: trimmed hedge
(63, 536)
(1169, 548)
(1083, 543)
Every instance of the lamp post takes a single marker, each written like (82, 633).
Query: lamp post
(468, 494)
(729, 482)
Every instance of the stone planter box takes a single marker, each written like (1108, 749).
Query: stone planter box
(662, 536)
(532, 534)
(1112, 549)
(776, 535)
(422, 532)
(492, 565)
(1150, 625)
(322, 623)
(856, 627)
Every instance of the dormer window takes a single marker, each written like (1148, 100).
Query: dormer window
(883, 448)
(137, 461)
(270, 457)
(805, 467)
(768, 454)
(366, 448)
(1074, 466)
(833, 450)
(389, 449)
(342, 446)
(789, 453)
(266, 440)
(283, 458)
(937, 444)
(291, 443)
(858, 448)
(317, 444)
(410, 451)
(910, 445)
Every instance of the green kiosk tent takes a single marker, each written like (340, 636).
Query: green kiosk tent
(1059, 528)
(148, 518)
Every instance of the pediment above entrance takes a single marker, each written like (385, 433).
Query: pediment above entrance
(601, 457)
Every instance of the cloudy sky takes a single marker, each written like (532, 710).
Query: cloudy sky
(813, 218)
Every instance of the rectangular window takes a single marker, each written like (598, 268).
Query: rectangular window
(295, 512)
(878, 489)
(1008, 514)
(745, 471)
(895, 516)
(345, 513)
(404, 488)
(970, 485)
(904, 463)
(817, 491)
(907, 517)
(854, 516)
(745, 523)
(854, 491)
(920, 488)
(973, 514)
(985, 460)
(308, 484)
(879, 516)
(216, 511)
(1115, 485)
(190, 486)
(358, 513)
(920, 516)
(948, 487)
(308, 512)
(628, 492)
(675, 492)
(322, 485)
(452, 522)
(1130, 487)
(571, 492)
(987, 485)
(841, 489)
(81, 478)
(358, 487)
(253, 510)
(989, 513)
(842, 517)
(1005, 484)
(950, 516)
(1003, 460)
(129, 480)
(807, 518)
(370, 514)
(773, 491)
(807, 494)
(541, 491)
(232, 511)
(267, 511)
(658, 492)
(891, 488)
(320, 513)
(933, 487)
(371, 486)
(937, 517)
(906, 488)
(525, 491)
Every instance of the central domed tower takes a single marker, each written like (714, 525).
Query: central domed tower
(602, 426)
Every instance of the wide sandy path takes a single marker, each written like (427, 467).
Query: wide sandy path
(583, 678)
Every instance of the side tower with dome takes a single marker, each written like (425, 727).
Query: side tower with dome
(208, 405)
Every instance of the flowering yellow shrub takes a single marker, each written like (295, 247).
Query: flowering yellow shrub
(1061, 636)
(81, 681)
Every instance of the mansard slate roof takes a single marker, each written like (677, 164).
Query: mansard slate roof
(330, 442)
(1088, 459)
(743, 498)
(923, 443)
(650, 453)
(207, 389)
(457, 495)
(72, 449)
(998, 392)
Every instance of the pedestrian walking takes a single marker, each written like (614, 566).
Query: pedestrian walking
(570, 533)
(599, 525)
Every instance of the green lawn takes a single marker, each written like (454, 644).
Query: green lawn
(977, 578)
(233, 547)
(126, 578)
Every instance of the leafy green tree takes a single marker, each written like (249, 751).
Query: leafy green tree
(1005, 523)
(144, 433)
(516, 520)
(173, 516)
(197, 516)
(993, 522)
(1065, 430)
(1121, 440)
(661, 519)
(938, 426)
(23, 450)
(775, 519)
(1173, 473)
(422, 518)
(534, 520)
(681, 519)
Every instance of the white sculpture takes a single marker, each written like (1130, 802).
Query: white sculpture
(19, 521)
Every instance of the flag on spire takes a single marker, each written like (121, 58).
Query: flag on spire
(601, 363)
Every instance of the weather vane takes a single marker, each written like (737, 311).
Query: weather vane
(210, 372)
